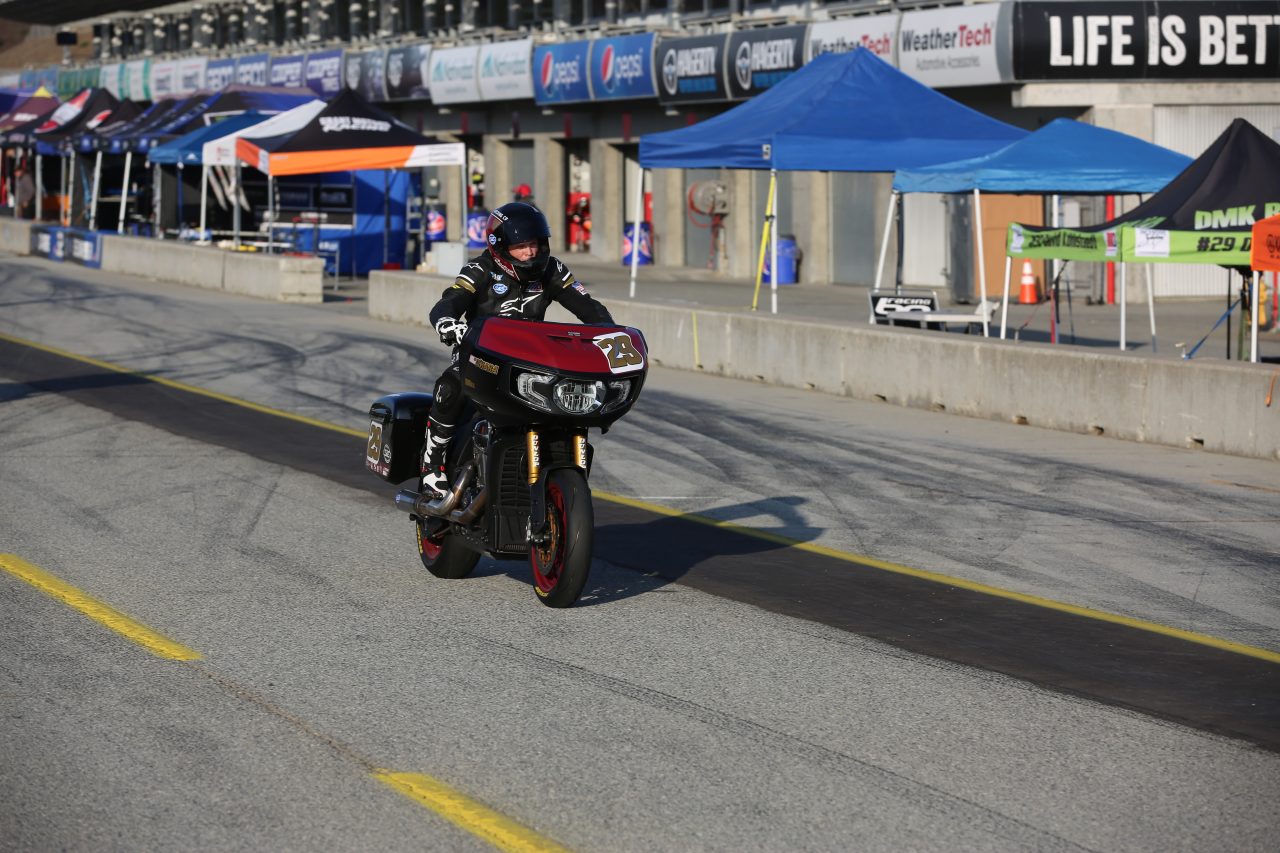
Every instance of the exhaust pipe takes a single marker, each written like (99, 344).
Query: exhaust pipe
(472, 510)
(408, 500)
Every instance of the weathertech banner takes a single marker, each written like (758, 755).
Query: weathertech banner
(955, 46)
(622, 67)
(760, 58)
(691, 69)
(877, 33)
(1189, 39)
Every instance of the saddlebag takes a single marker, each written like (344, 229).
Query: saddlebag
(397, 429)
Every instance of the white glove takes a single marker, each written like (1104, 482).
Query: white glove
(451, 331)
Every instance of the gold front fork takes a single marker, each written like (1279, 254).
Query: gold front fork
(580, 451)
(534, 457)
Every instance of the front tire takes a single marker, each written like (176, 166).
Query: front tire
(443, 555)
(560, 567)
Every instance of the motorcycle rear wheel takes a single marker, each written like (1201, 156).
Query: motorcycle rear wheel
(560, 567)
(443, 555)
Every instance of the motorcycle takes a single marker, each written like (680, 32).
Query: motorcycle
(519, 464)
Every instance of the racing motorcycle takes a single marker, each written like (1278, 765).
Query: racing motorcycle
(518, 469)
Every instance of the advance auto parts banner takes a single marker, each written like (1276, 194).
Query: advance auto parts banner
(1190, 39)
(691, 69)
(759, 59)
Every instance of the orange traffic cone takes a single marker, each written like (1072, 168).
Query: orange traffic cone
(1030, 293)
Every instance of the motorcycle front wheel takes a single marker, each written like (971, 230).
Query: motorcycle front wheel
(443, 555)
(560, 565)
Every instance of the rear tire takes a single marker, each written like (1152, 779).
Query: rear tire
(560, 568)
(443, 555)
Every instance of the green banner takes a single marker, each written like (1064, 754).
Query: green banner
(1064, 243)
(1155, 246)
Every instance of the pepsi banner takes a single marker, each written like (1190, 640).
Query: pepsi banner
(322, 73)
(252, 70)
(623, 68)
(560, 73)
(219, 74)
(408, 74)
(286, 71)
(691, 69)
(758, 59)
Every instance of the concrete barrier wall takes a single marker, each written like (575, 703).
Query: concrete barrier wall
(284, 278)
(404, 297)
(165, 260)
(281, 278)
(15, 235)
(1215, 406)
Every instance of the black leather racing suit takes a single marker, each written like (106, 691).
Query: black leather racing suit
(487, 285)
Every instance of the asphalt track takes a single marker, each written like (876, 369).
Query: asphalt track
(1230, 690)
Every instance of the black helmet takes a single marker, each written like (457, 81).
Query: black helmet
(515, 223)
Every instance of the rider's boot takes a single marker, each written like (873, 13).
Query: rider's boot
(434, 479)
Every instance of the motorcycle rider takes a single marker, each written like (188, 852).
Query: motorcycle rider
(515, 277)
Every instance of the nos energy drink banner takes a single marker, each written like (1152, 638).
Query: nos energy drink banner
(623, 67)
(560, 73)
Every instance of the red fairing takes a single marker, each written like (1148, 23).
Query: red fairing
(567, 347)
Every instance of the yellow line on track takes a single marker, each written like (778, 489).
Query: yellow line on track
(476, 818)
(156, 643)
(857, 559)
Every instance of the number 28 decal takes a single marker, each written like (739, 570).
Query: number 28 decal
(620, 352)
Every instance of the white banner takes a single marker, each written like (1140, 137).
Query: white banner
(190, 75)
(506, 70)
(454, 77)
(163, 82)
(109, 78)
(877, 33)
(135, 80)
(444, 154)
(954, 46)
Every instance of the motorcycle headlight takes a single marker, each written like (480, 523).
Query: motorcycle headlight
(616, 394)
(535, 389)
(579, 397)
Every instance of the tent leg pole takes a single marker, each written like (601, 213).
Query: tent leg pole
(1254, 314)
(773, 239)
(124, 191)
(638, 207)
(235, 205)
(271, 214)
(1124, 307)
(40, 187)
(157, 179)
(1150, 278)
(764, 242)
(982, 262)
(71, 192)
(204, 196)
(62, 189)
(93, 203)
(1004, 301)
(894, 200)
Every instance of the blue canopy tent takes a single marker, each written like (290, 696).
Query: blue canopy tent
(850, 112)
(189, 148)
(1063, 157)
